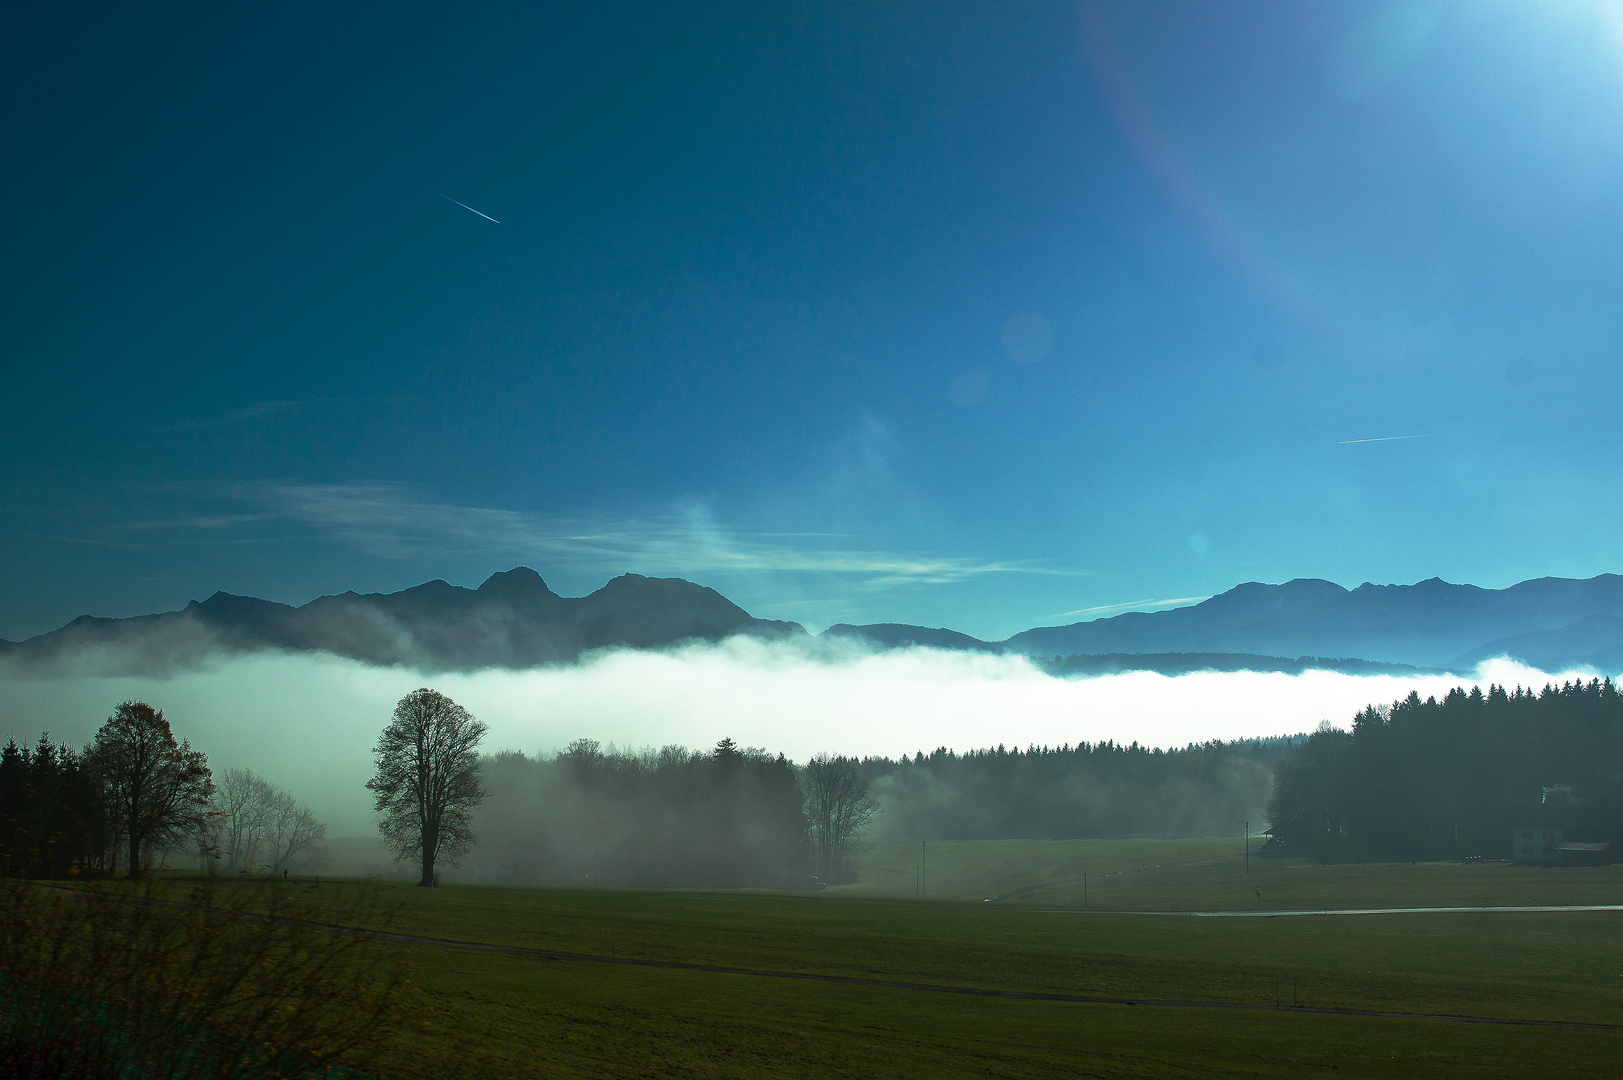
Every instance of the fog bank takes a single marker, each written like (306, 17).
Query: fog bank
(308, 722)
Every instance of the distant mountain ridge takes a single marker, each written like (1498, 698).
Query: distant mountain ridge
(1547, 622)
(901, 635)
(514, 620)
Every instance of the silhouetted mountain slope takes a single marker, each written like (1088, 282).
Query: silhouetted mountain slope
(1548, 622)
(900, 636)
(1185, 663)
(1594, 641)
(512, 620)
(1431, 623)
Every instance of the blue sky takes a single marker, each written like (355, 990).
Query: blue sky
(987, 316)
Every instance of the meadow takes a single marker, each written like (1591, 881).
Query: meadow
(505, 1015)
(1206, 875)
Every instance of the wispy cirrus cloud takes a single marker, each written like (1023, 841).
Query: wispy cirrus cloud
(253, 412)
(1133, 605)
(397, 521)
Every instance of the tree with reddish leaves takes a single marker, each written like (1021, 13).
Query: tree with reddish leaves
(156, 790)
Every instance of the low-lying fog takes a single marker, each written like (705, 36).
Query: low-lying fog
(307, 723)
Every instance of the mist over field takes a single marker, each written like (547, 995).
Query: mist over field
(308, 722)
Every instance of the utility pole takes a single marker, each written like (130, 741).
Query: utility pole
(1248, 848)
(1084, 890)
(924, 868)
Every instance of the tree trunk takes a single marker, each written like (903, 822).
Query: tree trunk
(135, 854)
(431, 843)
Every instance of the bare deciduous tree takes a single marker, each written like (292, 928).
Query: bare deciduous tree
(296, 837)
(156, 791)
(255, 825)
(838, 809)
(243, 812)
(426, 782)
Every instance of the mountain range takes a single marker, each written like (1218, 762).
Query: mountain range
(514, 620)
(1549, 623)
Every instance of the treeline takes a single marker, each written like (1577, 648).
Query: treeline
(1430, 779)
(135, 797)
(52, 814)
(733, 817)
(728, 818)
(1088, 790)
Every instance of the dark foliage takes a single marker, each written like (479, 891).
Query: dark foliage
(156, 790)
(24, 1058)
(728, 818)
(1088, 790)
(51, 815)
(838, 812)
(1439, 779)
(221, 980)
(426, 781)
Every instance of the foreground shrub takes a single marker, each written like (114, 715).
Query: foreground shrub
(233, 979)
(24, 1058)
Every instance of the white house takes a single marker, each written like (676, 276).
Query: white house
(1535, 845)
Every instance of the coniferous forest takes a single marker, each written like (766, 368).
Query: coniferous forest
(52, 816)
(1087, 790)
(745, 817)
(1419, 779)
(1415, 780)
(1429, 779)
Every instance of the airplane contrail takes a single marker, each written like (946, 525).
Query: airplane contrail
(1386, 438)
(465, 206)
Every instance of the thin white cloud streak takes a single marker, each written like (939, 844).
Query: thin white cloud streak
(253, 412)
(395, 521)
(309, 722)
(1391, 438)
(1133, 605)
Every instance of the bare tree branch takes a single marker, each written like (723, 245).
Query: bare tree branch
(838, 810)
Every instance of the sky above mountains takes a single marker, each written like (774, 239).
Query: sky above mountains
(985, 316)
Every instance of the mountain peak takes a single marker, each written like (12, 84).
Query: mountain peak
(518, 584)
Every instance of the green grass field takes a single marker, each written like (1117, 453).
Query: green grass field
(512, 1016)
(502, 1017)
(1206, 875)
